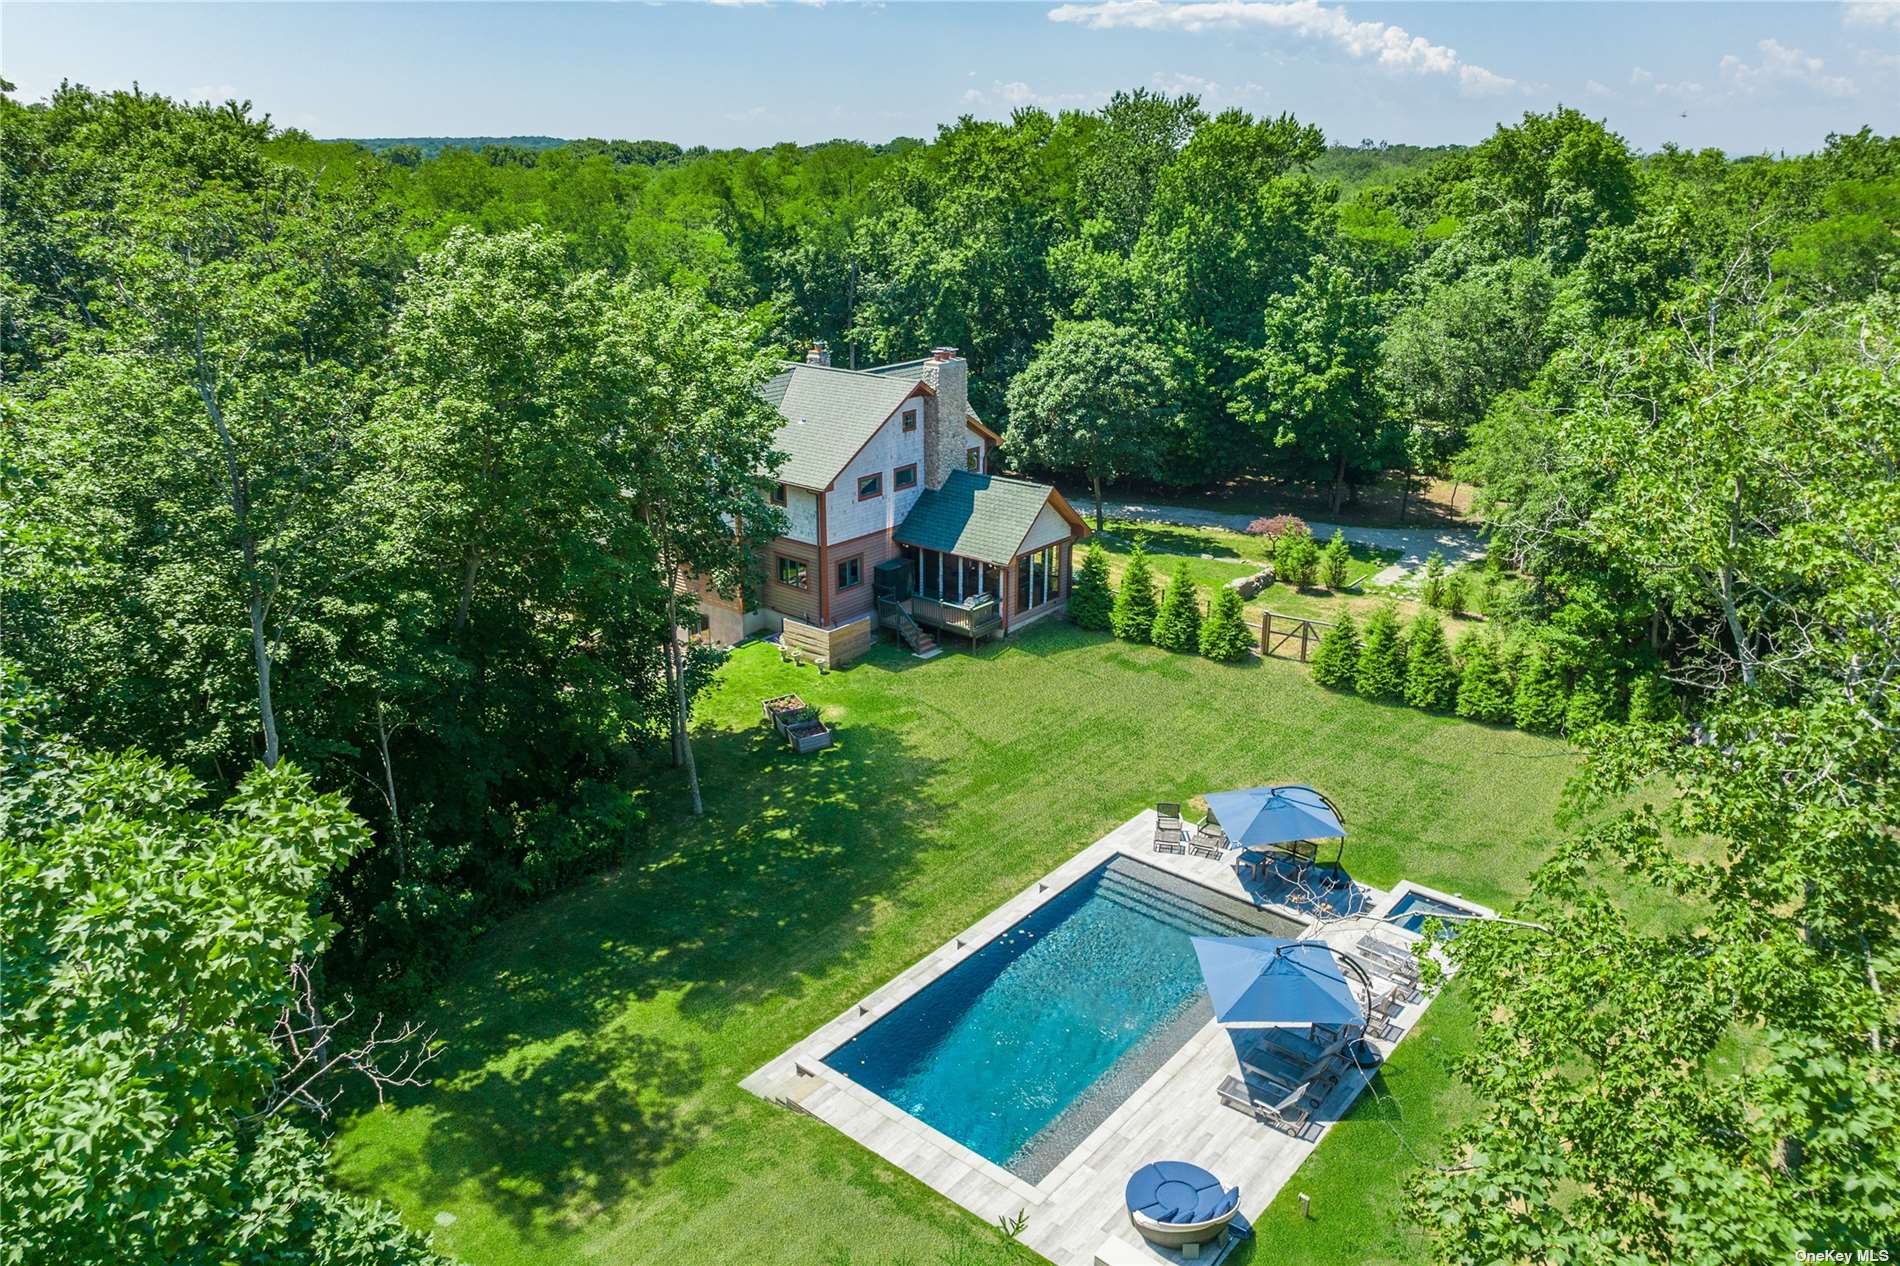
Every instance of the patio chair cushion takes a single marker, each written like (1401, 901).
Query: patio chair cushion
(1170, 1191)
(1214, 1202)
(1180, 1171)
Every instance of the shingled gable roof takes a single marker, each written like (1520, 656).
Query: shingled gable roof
(981, 516)
(830, 414)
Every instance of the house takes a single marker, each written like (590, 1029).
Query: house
(888, 466)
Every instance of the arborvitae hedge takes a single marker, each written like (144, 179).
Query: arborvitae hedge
(1484, 692)
(1092, 596)
(1380, 673)
(1538, 704)
(1651, 699)
(1225, 634)
(1337, 659)
(1296, 559)
(1335, 560)
(1431, 584)
(1593, 700)
(1431, 682)
(1133, 616)
(1178, 624)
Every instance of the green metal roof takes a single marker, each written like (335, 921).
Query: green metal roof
(977, 516)
(829, 415)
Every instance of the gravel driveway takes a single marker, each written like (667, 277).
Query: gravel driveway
(1458, 545)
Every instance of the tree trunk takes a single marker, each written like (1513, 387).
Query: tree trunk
(389, 791)
(1097, 481)
(1339, 482)
(679, 680)
(247, 547)
(471, 561)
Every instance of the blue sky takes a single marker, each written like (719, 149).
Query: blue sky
(1745, 77)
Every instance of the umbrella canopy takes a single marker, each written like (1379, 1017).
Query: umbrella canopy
(1275, 815)
(1263, 981)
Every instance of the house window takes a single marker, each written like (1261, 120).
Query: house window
(1022, 583)
(904, 477)
(1038, 581)
(1055, 572)
(870, 486)
(850, 573)
(778, 494)
(973, 459)
(793, 572)
(910, 420)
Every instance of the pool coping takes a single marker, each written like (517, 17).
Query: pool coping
(800, 1079)
(805, 1059)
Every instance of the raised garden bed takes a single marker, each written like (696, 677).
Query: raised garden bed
(783, 710)
(808, 736)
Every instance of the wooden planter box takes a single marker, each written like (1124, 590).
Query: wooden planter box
(781, 711)
(808, 736)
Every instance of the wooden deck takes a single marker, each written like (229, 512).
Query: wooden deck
(1076, 1211)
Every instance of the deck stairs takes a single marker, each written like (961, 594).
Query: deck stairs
(921, 644)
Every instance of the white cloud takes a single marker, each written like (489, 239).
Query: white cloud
(1208, 90)
(1392, 47)
(1781, 66)
(1676, 90)
(1016, 94)
(1872, 13)
(214, 92)
(1592, 88)
(1879, 61)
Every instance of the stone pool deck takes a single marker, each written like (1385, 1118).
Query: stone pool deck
(1076, 1215)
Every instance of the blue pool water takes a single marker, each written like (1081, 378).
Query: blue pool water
(1421, 907)
(1028, 1044)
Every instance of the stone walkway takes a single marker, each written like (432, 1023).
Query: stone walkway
(1458, 545)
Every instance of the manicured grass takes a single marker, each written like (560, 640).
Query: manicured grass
(1235, 554)
(1437, 503)
(587, 1108)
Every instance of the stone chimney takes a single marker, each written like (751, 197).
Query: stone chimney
(945, 428)
(819, 354)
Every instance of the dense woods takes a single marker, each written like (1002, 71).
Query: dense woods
(345, 487)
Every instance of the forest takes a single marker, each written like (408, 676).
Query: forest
(341, 490)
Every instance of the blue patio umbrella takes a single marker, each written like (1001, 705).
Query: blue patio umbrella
(1262, 982)
(1275, 815)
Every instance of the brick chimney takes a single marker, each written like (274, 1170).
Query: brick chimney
(819, 354)
(945, 426)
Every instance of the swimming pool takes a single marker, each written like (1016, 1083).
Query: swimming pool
(1027, 1045)
(1418, 907)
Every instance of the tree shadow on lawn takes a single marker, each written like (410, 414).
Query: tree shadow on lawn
(1173, 539)
(547, 1097)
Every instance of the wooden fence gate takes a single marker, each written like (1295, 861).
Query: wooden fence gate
(1290, 627)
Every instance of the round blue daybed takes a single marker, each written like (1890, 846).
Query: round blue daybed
(1174, 1204)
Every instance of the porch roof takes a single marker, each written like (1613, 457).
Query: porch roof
(985, 517)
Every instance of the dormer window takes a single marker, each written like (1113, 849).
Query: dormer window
(910, 420)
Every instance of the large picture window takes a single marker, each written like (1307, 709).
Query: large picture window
(1038, 578)
(794, 572)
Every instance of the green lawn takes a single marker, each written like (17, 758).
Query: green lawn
(587, 1108)
(1214, 556)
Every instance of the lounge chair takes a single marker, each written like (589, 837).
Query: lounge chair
(1209, 841)
(1168, 829)
(1279, 1068)
(1390, 961)
(1265, 1103)
(1180, 1206)
(1325, 1048)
